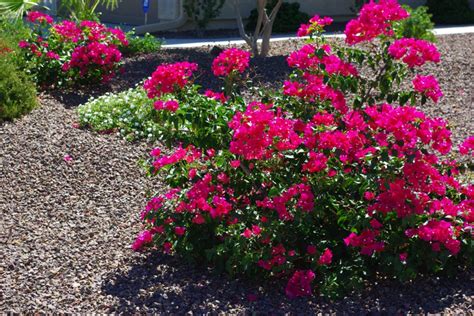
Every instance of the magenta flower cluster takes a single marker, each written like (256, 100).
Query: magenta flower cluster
(374, 19)
(229, 61)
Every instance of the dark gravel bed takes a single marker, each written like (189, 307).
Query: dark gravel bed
(66, 226)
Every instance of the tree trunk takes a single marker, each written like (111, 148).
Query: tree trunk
(263, 29)
(267, 29)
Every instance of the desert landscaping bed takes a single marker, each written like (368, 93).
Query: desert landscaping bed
(67, 224)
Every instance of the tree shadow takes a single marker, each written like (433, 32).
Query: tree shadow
(157, 283)
(268, 72)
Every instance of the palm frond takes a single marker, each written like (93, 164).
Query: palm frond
(15, 9)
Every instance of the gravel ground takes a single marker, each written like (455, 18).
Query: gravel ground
(66, 227)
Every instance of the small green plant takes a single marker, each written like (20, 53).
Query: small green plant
(451, 11)
(17, 91)
(141, 45)
(202, 12)
(129, 113)
(418, 25)
(288, 19)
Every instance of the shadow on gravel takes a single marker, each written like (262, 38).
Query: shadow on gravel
(269, 71)
(160, 283)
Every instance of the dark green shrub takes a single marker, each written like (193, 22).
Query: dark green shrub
(201, 12)
(451, 11)
(418, 25)
(17, 91)
(141, 45)
(288, 19)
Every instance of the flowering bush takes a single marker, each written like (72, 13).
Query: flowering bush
(67, 52)
(334, 179)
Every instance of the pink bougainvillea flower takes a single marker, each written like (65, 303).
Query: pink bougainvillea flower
(311, 250)
(316, 23)
(414, 52)
(39, 17)
(179, 231)
(52, 55)
(168, 78)
(67, 31)
(256, 230)
(229, 61)
(403, 257)
(167, 246)
(192, 173)
(235, 164)
(23, 44)
(142, 239)
(428, 86)
(326, 257)
(171, 105)
(219, 96)
(374, 19)
(247, 233)
(375, 224)
(467, 146)
(300, 284)
(155, 152)
(369, 196)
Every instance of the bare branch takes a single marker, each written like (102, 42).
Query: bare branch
(261, 11)
(275, 10)
(240, 23)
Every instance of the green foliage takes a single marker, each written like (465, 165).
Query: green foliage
(202, 12)
(199, 120)
(17, 91)
(288, 19)
(451, 11)
(418, 25)
(129, 113)
(141, 44)
(80, 10)
(15, 9)
(14, 31)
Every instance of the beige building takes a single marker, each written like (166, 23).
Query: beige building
(169, 14)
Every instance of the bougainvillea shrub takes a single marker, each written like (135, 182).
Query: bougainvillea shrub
(68, 52)
(336, 178)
